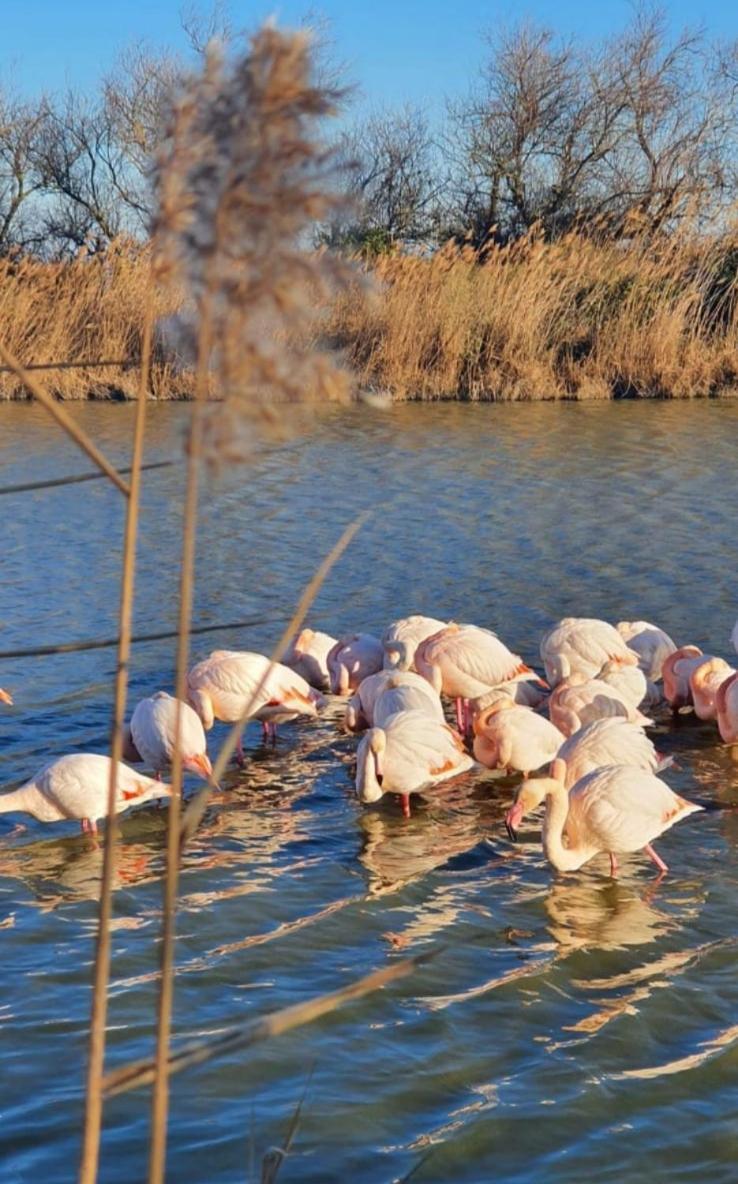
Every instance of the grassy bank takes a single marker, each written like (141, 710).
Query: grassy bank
(573, 319)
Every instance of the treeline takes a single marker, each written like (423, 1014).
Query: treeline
(635, 135)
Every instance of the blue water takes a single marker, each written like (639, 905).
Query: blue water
(571, 1027)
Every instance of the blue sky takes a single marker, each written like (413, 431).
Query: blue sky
(396, 50)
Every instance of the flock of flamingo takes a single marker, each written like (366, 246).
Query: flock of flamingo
(585, 724)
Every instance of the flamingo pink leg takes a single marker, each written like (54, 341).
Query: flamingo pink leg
(663, 867)
(460, 722)
(85, 826)
(240, 757)
(405, 799)
(613, 864)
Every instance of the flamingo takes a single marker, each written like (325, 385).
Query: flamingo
(615, 809)
(727, 709)
(401, 695)
(361, 707)
(229, 682)
(651, 644)
(76, 786)
(704, 683)
(6, 697)
(582, 645)
(525, 694)
(677, 669)
(580, 700)
(466, 662)
(630, 681)
(352, 659)
(612, 741)
(153, 730)
(402, 638)
(507, 736)
(409, 752)
(307, 655)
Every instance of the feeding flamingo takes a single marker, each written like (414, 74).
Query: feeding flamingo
(402, 638)
(612, 810)
(409, 752)
(582, 645)
(727, 709)
(704, 683)
(153, 730)
(507, 736)
(466, 662)
(230, 682)
(417, 693)
(612, 741)
(307, 654)
(352, 659)
(651, 644)
(76, 787)
(677, 669)
(579, 700)
(630, 681)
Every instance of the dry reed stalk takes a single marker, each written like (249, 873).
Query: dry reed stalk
(197, 806)
(275, 1156)
(96, 1055)
(140, 1073)
(63, 418)
(240, 179)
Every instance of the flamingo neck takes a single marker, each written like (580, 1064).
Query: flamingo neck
(564, 859)
(26, 800)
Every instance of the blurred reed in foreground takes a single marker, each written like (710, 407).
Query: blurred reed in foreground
(575, 318)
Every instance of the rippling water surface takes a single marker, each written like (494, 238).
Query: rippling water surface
(572, 1027)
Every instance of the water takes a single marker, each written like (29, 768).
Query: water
(571, 1026)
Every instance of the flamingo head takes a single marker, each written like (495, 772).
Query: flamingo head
(203, 705)
(483, 718)
(6, 697)
(199, 764)
(533, 793)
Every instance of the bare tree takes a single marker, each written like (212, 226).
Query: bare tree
(21, 126)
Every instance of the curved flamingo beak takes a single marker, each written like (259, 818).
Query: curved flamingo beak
(201, 765)
(513, 818)
(6, 697)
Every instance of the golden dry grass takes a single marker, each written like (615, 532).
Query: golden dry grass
(572, 319)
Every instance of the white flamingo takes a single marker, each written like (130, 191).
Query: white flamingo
(677, 669)
(466, 662)
(651, 644)
(307, 654)
(402, 638)
(410, 752)
(580, 700)
(153, 730)
(612, 810)
(507, 736)
(230, 682)
(352, 659)
(76, 787)
(630, 681)
(704, 683)
(417, 693)
(582, 645)
(612, 741)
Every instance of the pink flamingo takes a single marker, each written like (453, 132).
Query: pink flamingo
(704, 683)
(651, 644)
(612, 741)
(582, 645)
(507, 736)
(612, 810)
(307, 654)
(727, 709)
(229, 682)
(466, 662)
(417, 693)
(153, 731)
(6, 697)
(408, 753)
(677, 669)
(76, 786)
(580, 700)
(352, 659)
(402, 638)
(630, 681)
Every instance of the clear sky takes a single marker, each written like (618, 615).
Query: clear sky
(396, 50)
